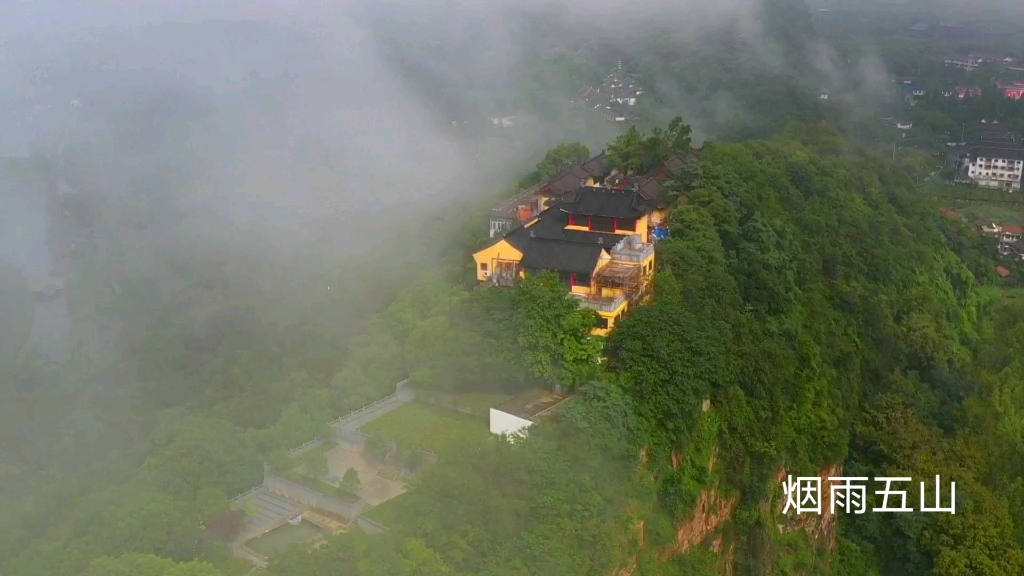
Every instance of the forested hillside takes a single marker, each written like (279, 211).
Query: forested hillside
(832, 320)
(813, 314)
(830, 317)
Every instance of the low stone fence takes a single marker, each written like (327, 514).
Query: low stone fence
(430, 456)
(244, 494)
(309, 497)
(353, 420)
(369, 526)
(258, 561)
(299, 450)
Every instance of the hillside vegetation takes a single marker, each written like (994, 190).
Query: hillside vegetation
(810, 313)
(832, 322)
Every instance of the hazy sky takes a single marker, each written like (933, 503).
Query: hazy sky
(49, 16)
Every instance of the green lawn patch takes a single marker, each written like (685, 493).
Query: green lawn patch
(975, 193)
(389, 512)
(418, 425)
(476, 403)
(999, 215)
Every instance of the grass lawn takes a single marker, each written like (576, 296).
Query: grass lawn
(1004, 216)
(389, 512)
(429, 428)
(971, 192)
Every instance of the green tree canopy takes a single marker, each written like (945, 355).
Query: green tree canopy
(554, 331)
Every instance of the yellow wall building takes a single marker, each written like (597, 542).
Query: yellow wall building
(598, 240)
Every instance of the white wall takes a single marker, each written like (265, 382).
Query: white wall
(504, 423)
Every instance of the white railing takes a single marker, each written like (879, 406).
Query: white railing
(398, 389)
(364, 408)
(297, 449)
(246, 493)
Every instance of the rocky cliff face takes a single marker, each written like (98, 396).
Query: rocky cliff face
(714, 511)
(821, 528)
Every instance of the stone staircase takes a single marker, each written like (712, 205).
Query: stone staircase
(265, 511)
(390, 472)
(390, 468)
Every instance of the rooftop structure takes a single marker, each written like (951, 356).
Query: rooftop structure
(967, 91)
(618, 88)
(596, 232)
(515, 415)
(621, 113)
(997, 165)
(598, 240)
(526, 205)
(972, 60)
(1014, 90)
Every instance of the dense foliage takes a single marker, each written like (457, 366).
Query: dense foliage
(810, 310)
(827, 317)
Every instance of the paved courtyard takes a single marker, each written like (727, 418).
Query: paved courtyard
(373, 488)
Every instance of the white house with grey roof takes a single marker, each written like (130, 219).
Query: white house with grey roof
(993, 167)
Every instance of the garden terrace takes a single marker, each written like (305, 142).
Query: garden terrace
(418, 425)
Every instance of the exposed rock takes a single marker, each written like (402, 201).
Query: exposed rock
(821, 527)
(712, 511)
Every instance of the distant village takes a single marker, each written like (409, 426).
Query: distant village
(1008, 240)
(616, 96)
(985, 152)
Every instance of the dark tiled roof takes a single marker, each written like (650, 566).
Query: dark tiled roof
(605, 202)
(673, 164)
(595, 166)
(546, 245)
(651, 189)
(621, 110)
(551, 226)
(997, 140)
(1003, 153)
(557, 185)
(561, 255)
(568, 179)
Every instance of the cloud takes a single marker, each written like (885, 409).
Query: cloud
(333, 158)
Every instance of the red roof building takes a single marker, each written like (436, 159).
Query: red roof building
(1014, 90)
(1003, 272)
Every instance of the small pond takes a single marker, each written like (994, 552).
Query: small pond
(279, 539)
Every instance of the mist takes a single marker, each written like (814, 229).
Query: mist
(311, 131)
(206, 205)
